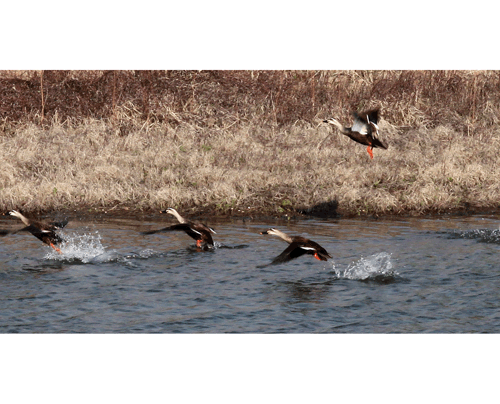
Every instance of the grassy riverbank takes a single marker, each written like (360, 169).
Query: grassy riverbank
(246, 143)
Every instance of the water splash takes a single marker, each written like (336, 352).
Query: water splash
(85, 248)
(147, 253)
(483, 235)
(218, 245)
(143, 254)
(376, 267)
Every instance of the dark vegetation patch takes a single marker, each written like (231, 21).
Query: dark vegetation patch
(410, 98)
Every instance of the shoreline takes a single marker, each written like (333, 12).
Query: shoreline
(262, 215)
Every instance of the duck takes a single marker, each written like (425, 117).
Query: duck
(298, 246)
(199, 231)
(364, 130)
(46, 232)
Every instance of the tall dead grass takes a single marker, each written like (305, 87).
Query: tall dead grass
(247, 142)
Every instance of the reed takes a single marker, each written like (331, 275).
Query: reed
(246, 142)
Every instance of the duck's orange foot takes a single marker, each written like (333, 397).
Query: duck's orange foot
(317, 256)
(55, 248)
(198, 243)
(369, 150)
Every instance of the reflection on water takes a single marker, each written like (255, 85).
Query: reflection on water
(402, 275)
(307, 292)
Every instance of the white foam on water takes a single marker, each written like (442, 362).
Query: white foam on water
(374, 266)
(486, 235)
(147, 253)
(85, 247)
(143, 254)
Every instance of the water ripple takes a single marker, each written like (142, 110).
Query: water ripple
(114, 280)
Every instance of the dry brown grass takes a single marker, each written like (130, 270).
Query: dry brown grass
(247, 142)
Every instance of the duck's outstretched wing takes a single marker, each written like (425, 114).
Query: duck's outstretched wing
(360, 124)
(200, 230)
(190, 231)
(367, 140)
(372, 115)
(61, 224)
(294, 250)
(47, 236)
(181, 226)
(321, 253)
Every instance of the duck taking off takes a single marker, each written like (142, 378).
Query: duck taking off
(364, 130)
(199, 231)
(298, 246)
(45, 232)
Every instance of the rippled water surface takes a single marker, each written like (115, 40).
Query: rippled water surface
(404, 275)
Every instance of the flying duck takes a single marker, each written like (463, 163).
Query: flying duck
(364, 130)
(298, 246)
(199, 231)
(45, 232)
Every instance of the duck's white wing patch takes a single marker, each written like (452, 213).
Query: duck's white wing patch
(359, 126)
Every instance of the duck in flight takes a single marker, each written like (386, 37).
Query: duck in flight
(46, 232)
(199, 231)
(297, 246)
(364, 130)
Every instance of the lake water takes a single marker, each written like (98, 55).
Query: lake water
(408, 275)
